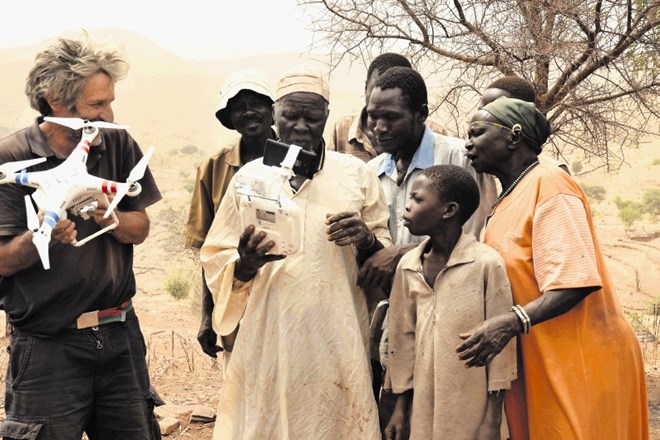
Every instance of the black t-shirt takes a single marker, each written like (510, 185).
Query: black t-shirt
(95, 276)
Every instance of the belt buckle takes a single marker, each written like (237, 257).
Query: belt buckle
(88, 319)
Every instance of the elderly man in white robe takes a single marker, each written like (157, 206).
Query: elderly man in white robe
(299, 368)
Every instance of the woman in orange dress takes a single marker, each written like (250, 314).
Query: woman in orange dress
(580, 368)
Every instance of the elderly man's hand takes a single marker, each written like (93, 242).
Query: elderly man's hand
(348, 228)
(253, 255)
(485, 341)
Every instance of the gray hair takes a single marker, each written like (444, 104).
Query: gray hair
(61, 71)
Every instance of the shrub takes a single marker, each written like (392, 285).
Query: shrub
(629, 211)
(635, 320)
(576, 167)
(178, 283)
(651, 202)
(595, 193)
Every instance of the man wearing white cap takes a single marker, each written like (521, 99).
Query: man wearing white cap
(299, 368)
(246, 106)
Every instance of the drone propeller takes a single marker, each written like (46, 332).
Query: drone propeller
(12, 167)
(41, 240)
(77, 123)
(32, 218)
(136, 174)
(138, 170)
(121, 192)
(40, 237)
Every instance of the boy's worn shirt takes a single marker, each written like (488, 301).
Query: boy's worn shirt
(449, 400)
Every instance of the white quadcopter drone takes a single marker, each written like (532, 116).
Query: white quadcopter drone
(70, 186)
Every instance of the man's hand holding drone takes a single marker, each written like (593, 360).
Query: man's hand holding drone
(101, 208)
(64, 231)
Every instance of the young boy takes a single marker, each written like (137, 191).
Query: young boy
(446, 286)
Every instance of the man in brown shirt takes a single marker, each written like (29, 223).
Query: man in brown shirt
(351, 134)
(246, 105)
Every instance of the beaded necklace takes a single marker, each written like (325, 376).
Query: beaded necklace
(513, 185)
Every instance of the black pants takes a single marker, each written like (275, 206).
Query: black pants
(92, 380)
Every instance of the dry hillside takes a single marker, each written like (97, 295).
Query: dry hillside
(168, 101)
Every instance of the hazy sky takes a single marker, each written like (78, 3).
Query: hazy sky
(195, 29)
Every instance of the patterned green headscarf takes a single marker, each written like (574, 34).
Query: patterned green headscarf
(511, 112)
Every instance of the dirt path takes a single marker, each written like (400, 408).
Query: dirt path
(180, 371)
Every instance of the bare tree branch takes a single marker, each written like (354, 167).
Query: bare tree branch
(595, 64)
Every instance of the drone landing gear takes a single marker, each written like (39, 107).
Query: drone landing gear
(85, 209)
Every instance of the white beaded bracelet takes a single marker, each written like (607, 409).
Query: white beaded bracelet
(524, 318)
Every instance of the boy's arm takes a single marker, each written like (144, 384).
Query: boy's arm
(490, 426)
(397, 427)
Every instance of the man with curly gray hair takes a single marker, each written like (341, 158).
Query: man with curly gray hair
(66, 376)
